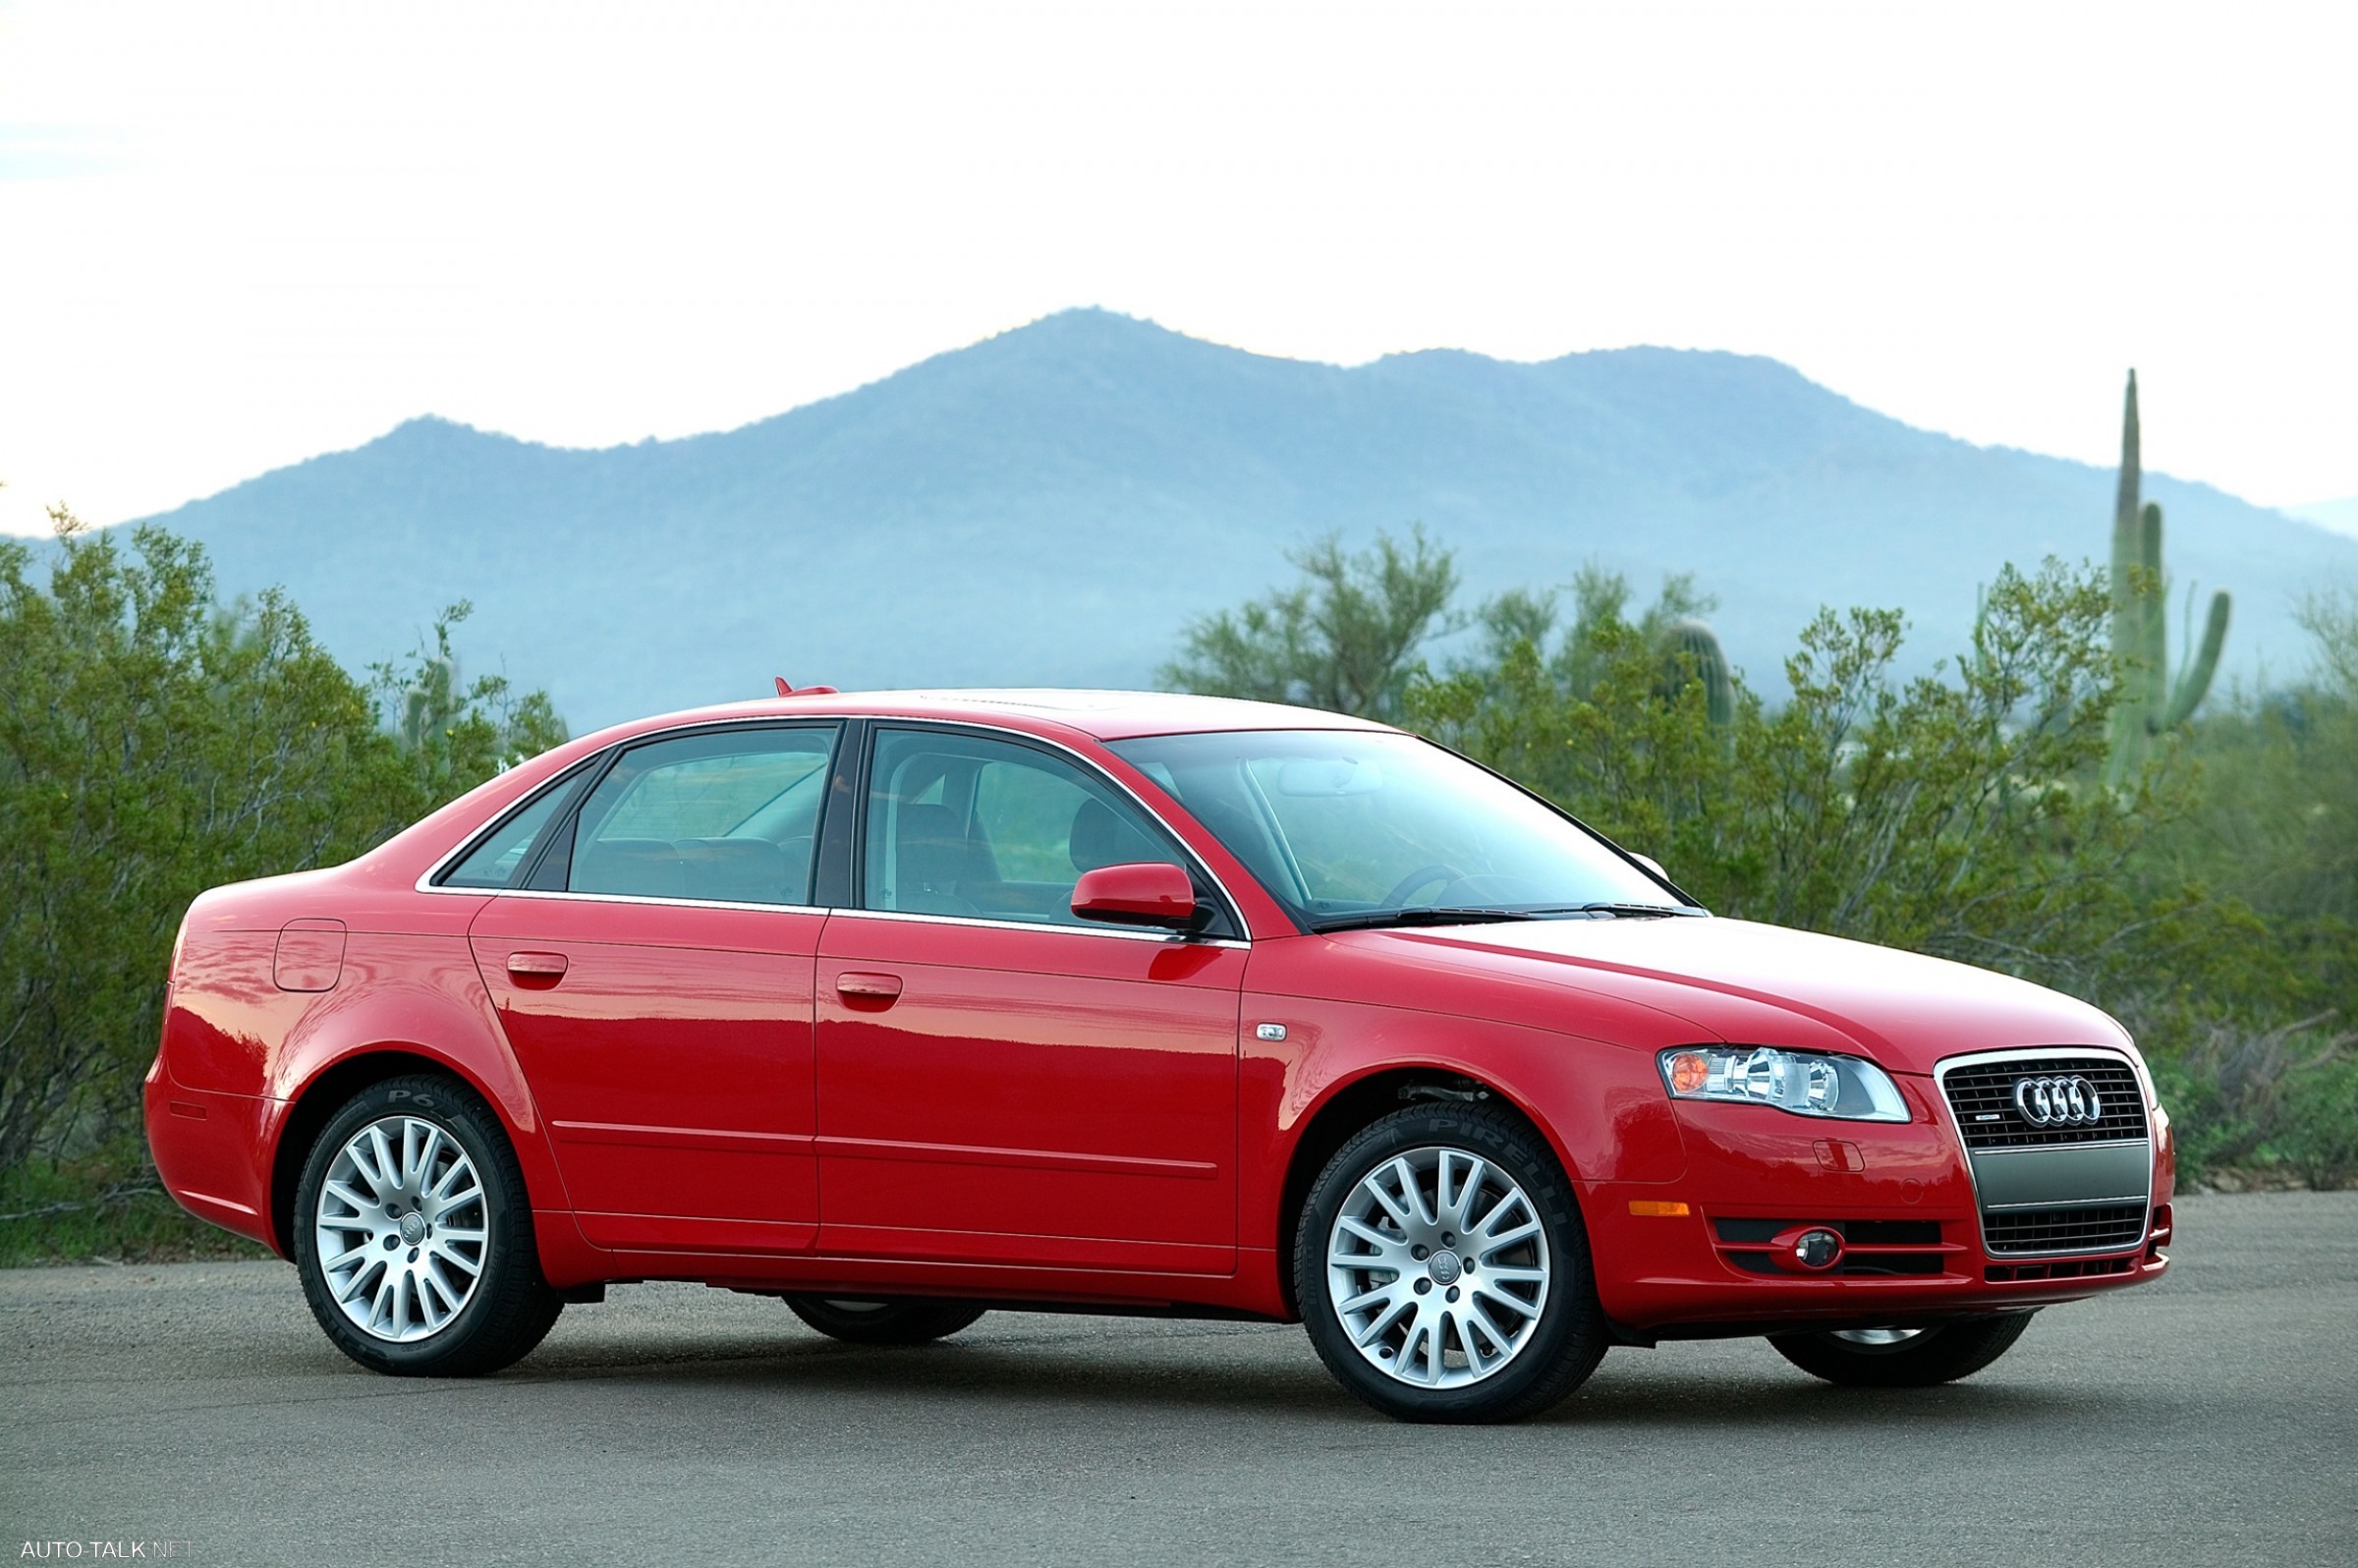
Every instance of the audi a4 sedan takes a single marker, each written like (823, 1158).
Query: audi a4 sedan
(907, 1007)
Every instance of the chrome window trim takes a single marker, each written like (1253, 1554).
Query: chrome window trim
(426, 882)
(1118, 933)
(645, 898)
(2110, 1055)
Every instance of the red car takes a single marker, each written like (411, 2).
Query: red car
(903, 1007)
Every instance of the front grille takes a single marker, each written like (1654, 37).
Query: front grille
(2083, 1268)
(1983, 1097)
(2090, 1228)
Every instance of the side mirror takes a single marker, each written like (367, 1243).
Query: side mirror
(1145, 893)
(1650, 864)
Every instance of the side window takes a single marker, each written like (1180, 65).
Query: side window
(493, 862)
(961, 825)
(728, 817)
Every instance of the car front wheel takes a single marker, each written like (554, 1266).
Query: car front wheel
(1442, 1269)
(1903, 1358)
(413, 1236)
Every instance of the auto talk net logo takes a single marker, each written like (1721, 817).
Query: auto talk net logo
(103, 1550)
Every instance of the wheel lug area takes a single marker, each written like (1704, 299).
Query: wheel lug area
(1452, 1296)
(1420, 1251)
(1424, 1286)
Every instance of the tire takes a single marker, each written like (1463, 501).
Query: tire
(1427, 1329)
(416, 1311)
(903, 1320)
(1939, 1355)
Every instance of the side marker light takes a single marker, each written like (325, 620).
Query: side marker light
(1656, 1209)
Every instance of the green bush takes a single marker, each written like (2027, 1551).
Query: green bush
(154, 742)
(109, 1208)
(2209, 897)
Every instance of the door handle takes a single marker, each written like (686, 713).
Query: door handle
(867, 988)
(536, 969)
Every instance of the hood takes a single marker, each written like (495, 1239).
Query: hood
(1752, 984)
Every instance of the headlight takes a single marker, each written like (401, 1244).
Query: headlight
(1805, 1083)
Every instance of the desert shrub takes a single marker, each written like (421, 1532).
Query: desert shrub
(154, 742)
(2209, 899)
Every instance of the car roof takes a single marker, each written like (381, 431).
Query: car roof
(1101, 715)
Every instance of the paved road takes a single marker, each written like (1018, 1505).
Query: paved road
(2209, 1418)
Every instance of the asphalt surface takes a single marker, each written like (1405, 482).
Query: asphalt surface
(2209, 1418)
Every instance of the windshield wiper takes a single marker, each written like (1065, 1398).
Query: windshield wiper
(1441, 914)
(1626, 911)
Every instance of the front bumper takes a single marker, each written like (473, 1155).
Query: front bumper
(1905, 1199)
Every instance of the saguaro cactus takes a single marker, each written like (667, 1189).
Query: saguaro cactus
(1691, 652)
(428, 702)
(2148, 703)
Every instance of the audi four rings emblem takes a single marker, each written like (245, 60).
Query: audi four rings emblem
(2057, 1101)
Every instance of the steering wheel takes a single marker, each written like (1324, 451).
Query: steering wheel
(1421, 877)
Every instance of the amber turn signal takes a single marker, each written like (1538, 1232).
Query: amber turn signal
(1656, 1209)
(1689, 1072)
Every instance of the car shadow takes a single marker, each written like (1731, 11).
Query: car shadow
(1211, 1372)
(1706, 1402)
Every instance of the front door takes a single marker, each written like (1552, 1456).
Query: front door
(1000, 1081)
(657, 991)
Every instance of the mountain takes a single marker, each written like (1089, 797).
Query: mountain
(1053, 506)
(2340, 516)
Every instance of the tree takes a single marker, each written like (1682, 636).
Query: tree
(457, 734)
(1953, 813)
(154, 744)
(1344, 639)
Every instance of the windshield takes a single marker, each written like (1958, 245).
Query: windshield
(1360, 828)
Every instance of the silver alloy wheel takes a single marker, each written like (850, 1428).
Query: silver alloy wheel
(402, 1229)
(1877, 1338)
(1437, 1268)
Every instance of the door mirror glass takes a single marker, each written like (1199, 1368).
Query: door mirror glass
(1140, 893)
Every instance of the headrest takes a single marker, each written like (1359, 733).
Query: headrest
(937, 822)
(1101, 838)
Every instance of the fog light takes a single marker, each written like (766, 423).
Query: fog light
(1810, 1251)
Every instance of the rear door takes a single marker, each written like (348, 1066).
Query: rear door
(655, 981)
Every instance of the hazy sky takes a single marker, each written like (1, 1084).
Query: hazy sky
(233, 235)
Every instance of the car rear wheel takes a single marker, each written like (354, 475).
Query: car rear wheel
(1442, 1269)
(1903, 1358)
(413, 1236)
(885, 1321)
